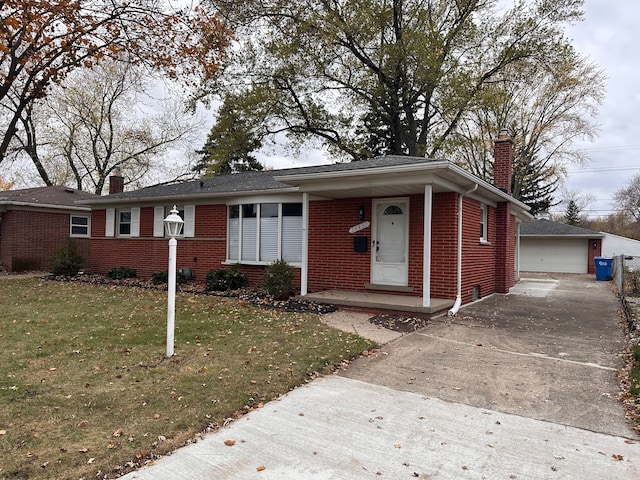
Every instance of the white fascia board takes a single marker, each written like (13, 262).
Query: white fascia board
(47, 206)
(561, 235)
(345, 174)
(202, 198)
(490, 188)
(395, 175)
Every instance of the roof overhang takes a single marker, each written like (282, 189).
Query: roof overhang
(397, 180)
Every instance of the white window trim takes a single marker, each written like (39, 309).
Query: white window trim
(110, 223)
(71, 225)
(484, 222)
(158, 218)
(189, 228)
(135, 222)
(113, 222)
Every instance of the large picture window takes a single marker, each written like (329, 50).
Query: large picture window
(265, 232)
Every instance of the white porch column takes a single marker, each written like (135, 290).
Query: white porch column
(426, 251)
(304, 272)
(518, 250)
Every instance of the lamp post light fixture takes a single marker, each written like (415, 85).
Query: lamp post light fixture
(172, 224)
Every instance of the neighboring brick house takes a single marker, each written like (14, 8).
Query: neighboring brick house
(36, 222)
(389, 224)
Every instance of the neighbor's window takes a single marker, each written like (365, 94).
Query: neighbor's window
(124, 222)
(264, 232)
(180, 209)
(483, 223)
(79, 226)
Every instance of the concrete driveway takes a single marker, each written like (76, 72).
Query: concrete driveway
(516, 387)
(548, 351)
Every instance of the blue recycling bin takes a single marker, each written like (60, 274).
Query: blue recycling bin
(603, 268)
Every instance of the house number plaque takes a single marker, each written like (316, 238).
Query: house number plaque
(360, 226)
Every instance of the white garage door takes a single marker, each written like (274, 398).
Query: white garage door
(553, 255)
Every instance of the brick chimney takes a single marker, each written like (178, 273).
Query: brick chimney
(116, 182)
(503, 161)
(505, 221)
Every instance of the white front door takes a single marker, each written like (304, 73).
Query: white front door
(389, 254)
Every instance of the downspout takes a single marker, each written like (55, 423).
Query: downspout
(458, 302)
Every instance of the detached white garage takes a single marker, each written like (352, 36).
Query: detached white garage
(547, 246)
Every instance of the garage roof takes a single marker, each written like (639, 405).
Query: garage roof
(548, 228)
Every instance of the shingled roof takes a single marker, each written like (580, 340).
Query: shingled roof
(548, 228)
(261, 181)
(51, 197)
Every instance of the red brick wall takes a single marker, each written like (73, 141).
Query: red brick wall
(30, 238)
(505, 248)
(148, 254)
(444, 244)
(502, 165)
(333, 263)
(478, 259)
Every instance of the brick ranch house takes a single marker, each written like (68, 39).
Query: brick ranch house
(36, 222)
(416, 228)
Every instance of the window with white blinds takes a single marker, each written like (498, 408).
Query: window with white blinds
(265, 232)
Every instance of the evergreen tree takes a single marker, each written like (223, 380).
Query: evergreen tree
(229, 145)
(572, 214)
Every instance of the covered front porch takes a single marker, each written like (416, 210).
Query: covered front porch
(380, 302)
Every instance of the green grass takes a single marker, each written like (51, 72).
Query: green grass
(86, 390)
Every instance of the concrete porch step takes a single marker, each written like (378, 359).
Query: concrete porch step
(371, 301)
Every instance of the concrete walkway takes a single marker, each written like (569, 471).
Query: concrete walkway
(338, 428)
(520, 386)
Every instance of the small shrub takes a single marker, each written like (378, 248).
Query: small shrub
(67, 261)
(278, 279)
(160, 277)
(26, 265)
(118, 273)
(163, 277)
(226, 279)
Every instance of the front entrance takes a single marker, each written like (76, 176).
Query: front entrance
(389, 255)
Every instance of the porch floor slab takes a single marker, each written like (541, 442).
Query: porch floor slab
(379, 301)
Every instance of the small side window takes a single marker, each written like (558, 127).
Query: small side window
(124, 222)
(79, 226)
(483, 223)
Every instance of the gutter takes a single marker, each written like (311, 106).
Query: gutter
(46, 205)
(201, 196)
(458, 302)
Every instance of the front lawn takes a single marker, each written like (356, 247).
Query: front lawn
(85, 388)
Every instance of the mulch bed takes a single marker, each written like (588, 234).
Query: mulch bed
(254, 296)
(399, 323)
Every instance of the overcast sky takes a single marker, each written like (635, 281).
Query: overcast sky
(609, 36)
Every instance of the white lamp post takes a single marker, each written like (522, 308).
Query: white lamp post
(172, 224)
